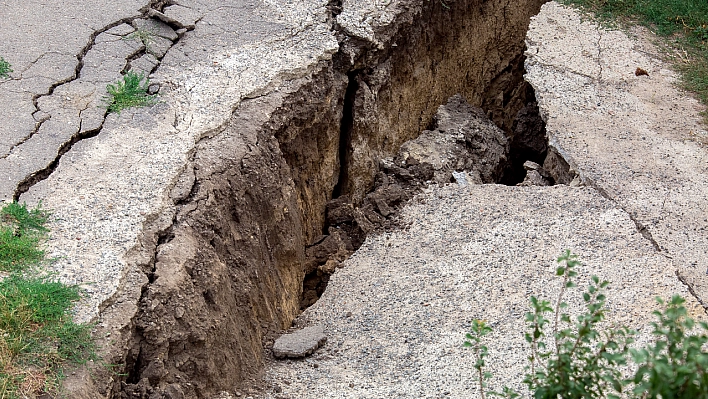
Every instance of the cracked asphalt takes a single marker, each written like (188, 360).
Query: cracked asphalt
(61, 68)
(108, 177)
(636, 142)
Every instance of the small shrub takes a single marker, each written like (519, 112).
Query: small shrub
(479, 329)
(675, 366)
(5, 69)
(131, 91)
(585, 362)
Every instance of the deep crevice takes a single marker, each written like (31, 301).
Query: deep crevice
(238, 236)
(347, 224)
(346, 126)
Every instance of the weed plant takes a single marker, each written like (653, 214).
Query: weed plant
(675, 366)
(144, 36)
(37, 335)
(131, 91)
(684, 23)
(5, 69)
(575, 359)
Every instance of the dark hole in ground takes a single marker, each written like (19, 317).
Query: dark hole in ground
(345, 134)
(461, 144)
(528, 142)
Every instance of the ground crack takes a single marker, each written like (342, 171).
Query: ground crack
(641, 228)
(42, 174)
(682, 279)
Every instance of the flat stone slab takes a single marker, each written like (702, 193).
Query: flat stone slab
(299, 343)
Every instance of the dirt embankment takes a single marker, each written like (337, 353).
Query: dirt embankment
(229, 269)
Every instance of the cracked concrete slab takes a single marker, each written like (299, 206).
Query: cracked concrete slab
(638, 139)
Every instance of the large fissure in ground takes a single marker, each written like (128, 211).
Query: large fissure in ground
(228, 274)
(462, 146)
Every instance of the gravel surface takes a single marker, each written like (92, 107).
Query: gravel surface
(396, 314)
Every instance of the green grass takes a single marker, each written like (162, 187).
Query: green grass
(20, 232)
(683, 23)
(129, 92)
(38, 338)
(5, 69)
(142, 35)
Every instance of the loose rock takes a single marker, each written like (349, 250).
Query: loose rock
(300, 343)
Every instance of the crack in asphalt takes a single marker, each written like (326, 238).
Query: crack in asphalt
(690, 289)
(643, 230)
(42, 174)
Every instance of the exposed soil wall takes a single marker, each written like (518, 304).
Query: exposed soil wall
(230, 268)
(469, 47)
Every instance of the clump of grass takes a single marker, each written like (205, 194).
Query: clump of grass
(5, 69)
(684, 23)
(142, 35)
(131, 91)
(666, 17)
(37, 335)
(21, 230)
